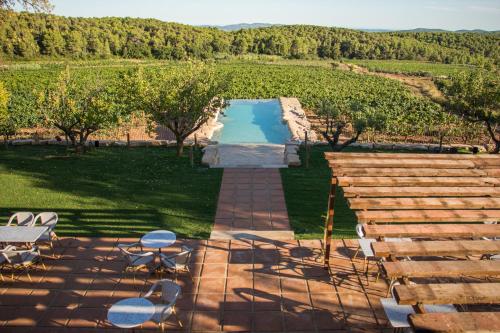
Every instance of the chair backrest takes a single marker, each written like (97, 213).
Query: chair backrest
(184, 257)
(129, 256)
(23, 219)
(47, 219)
(170, 291)
(359, 231)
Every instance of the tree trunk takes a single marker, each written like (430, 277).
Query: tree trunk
(180, 146)
(350, 141)
(334, 139)
(496, 150)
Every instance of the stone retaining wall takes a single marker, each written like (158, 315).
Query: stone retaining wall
(296, 118)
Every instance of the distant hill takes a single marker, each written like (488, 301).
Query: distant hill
(33, 36)
(239, 26)
(479, 31)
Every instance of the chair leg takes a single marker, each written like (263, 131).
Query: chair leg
(356, 253)
(177, 317)
(29, 276)
(390, 287)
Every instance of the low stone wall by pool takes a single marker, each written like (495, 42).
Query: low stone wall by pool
(296, 118)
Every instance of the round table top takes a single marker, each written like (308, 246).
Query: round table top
(158, 239)
(131, 312)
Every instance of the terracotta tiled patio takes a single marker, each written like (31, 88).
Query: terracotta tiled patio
(240, 286)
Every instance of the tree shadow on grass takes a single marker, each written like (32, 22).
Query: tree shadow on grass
(111, 191)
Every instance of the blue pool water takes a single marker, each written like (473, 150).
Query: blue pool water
(252, 121)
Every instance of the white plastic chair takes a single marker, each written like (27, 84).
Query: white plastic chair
(366, 249)
(170, 292)
(48, 219)
(22, 219)
(21, 259)
(136, 260)
(179, 261)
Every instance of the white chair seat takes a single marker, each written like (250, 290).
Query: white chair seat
(398, 314)
(142, 260)
(162, 312)
(45, 237)
(171, 264)
(495, 257)
(365, 245)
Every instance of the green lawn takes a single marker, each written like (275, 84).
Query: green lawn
(306, 194)
(110, 191)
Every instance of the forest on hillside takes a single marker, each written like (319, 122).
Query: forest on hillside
(35, 36)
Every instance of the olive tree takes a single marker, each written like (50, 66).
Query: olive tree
(182, 98)
(80, 107)
(338, 116)
(475, 96)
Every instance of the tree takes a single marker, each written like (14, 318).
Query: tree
(181, 99)
(36, 5)
(475, 96)
(80, 107)
(338, 116)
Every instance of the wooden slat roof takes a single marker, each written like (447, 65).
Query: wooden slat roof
(433, 196)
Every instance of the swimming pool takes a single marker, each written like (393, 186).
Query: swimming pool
(252, 121)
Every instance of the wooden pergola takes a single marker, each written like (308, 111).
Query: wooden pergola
(449, 205)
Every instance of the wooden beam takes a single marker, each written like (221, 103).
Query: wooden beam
(327, 240)
(449, 268)
(435, 248)
(412, 172)
(424, 203)
(433, 230)
(334, 155)
(448, 293)
(421, 191)
(418, 181)
(428, 216)
(401, 163)
(456, 322)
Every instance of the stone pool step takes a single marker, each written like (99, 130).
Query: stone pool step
(249, 156)
(253, 234)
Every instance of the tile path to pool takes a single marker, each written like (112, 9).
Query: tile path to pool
(251, 199)
(239, 286)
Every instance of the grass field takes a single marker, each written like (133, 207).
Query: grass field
(110, 191)
(306, 195)
(410, 67)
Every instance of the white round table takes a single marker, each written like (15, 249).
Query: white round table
(158, 239)
(131, 312)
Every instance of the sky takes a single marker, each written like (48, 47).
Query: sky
(374, 14)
